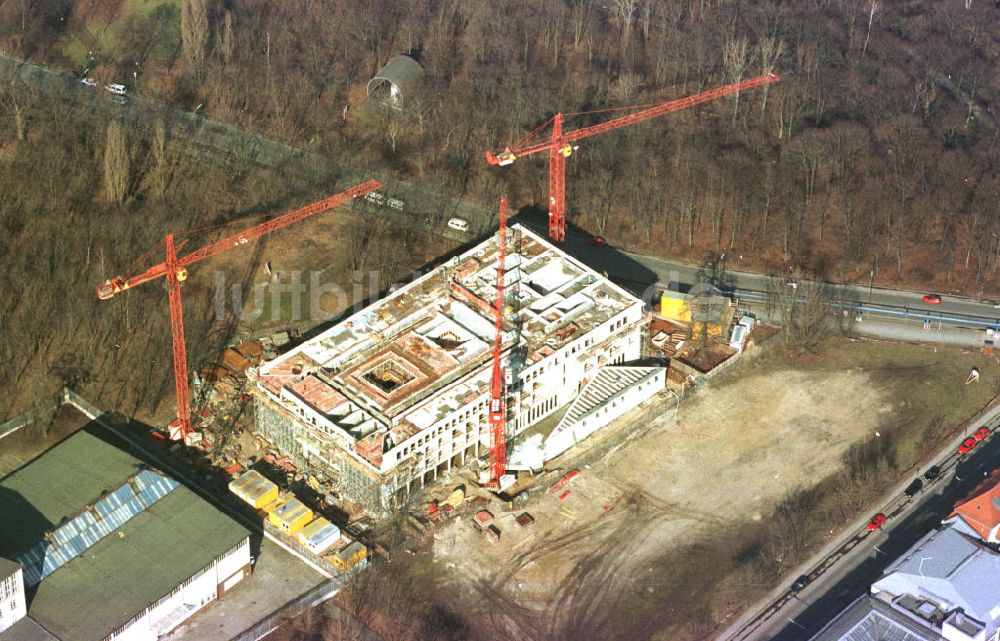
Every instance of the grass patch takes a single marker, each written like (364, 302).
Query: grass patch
(147, 31)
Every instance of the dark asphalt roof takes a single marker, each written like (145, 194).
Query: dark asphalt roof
(140, 562)
(26, 630)
(8, 567)
(402, 71)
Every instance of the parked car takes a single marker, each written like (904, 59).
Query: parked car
(981, 434)
(877, 522)
(932, 473)
(458, 224)
(914, 487)
(597, 241)
(932, 299)
(800, 583)
(89, 82)
(115, 88)
(967, 445)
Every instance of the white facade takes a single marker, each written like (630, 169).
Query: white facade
(224, 574)
(399, 392)
(12, 603)
(614, 391)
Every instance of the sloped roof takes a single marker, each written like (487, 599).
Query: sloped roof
(106, 514)
(610, 383)
(401, 71)
(869, 618)
(26, 630)
(8, 568)
(982, 512)
(137, 562)
(948, 566)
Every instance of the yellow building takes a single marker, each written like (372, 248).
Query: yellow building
(673, 306)
(290, 515)
(253, 488)
(347, 558)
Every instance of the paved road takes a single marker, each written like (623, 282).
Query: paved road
(847, 577)
(432, 208)
(646, 275)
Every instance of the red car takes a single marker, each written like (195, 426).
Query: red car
(981, 434)
(597, 241)
(967, 445)
(932, 299)
(877, 522)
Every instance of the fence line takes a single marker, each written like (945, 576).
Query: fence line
(40, 411)
(322, 592)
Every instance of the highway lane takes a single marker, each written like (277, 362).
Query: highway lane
(647, 274)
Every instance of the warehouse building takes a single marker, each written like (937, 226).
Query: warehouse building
(108, 549)
(397, 393)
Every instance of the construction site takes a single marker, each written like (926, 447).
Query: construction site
(393, 396)
(543, 445)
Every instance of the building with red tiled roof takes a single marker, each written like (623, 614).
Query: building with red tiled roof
(979, 516)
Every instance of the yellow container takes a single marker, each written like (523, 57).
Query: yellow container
(347, 558)
(253, 488)
(291, 516)
(674, 307)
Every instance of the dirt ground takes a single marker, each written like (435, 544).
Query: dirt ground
(654, 513)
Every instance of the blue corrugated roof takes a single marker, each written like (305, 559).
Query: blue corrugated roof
(72, 537)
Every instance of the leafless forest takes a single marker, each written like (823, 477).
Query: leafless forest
(878, 151)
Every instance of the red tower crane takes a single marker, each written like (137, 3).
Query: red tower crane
(175, 270)
(498, 406)
(559, 143)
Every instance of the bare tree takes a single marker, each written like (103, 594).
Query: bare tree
(736, 57)
(625, 9)
(226, 42)
(117, 164)
(161, 164)
(871, 19)
(194, 33)
(770, 50)
(808, 309)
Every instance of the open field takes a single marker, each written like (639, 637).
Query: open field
(676, 529)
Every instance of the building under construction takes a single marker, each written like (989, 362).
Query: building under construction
(397, 393)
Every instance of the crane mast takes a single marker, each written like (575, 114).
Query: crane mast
(174, 268)
(559, 143)
(498, 406)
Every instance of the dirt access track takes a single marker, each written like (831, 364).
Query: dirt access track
(614, 559)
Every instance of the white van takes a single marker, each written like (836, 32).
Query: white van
(118, 90)
(459, 224)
